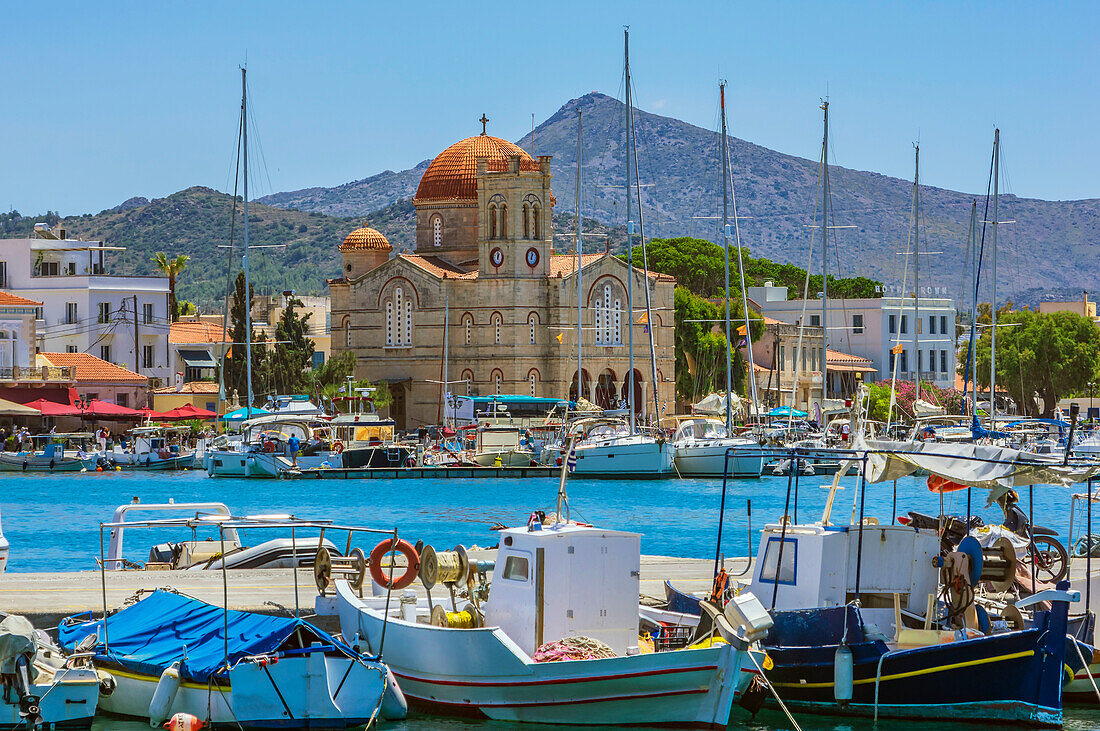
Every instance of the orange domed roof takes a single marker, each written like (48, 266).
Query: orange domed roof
(365, 238)
(453, 173)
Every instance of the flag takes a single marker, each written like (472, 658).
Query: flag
(645, 329)
(742, 331)
(896, 350)
(643, 319)
(743, 343)
(561, 338)
(342, 390)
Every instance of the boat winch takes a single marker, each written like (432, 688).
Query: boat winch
(456, 571)
(327, 567)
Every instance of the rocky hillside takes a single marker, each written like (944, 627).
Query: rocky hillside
(777, 192)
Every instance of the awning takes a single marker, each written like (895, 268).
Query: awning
(10, 408)
(106, 410)
(850, 368)
(198, 359)
(52, 408)
(189, 411)
(243, 413)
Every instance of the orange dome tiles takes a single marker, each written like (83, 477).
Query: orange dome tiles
(453, 173)
(365, 238)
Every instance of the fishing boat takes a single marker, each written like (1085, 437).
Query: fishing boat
(154, 448)
(558, 589)
(42, 689)
(263, 448)
(502, 445)
(365, 439)
(170, 654)
(53, 456)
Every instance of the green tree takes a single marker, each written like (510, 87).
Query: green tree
(235, 363)
(1046, 354)
(701, 345)
(292, 355)
(172, 267)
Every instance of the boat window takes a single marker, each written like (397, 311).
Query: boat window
(787, 574)
(515, 568)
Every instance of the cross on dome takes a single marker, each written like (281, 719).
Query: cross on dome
(484, 121)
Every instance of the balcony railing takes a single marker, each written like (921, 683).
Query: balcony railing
(38, 374)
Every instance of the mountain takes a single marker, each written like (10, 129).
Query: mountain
(196, 221)
(778, 194)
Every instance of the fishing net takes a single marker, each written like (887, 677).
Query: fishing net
(573, 648)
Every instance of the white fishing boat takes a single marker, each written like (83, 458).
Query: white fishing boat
(153, 448)
(502, 445)
(263, 448)
(53, 456)
(558, 589)
(701, 445)
(170, 654)
(41, 688)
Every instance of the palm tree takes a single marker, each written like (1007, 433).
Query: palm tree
(172, 267)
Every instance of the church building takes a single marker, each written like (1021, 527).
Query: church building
(485, 278)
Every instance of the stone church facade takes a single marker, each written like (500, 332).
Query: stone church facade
(485, 271)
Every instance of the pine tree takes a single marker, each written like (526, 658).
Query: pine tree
(235, 364)
(292, 356)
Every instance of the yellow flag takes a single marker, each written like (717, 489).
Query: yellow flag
(741, 330)
(643, 319)
(896, 350)
(561, 338)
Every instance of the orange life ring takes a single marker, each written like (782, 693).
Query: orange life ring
(405, 549)
(338, 447)
(269, 446)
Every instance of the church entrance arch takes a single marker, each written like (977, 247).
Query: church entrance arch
(586, 386)
(639, 398)
(606, 390)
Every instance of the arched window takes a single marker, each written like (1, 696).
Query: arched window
(532, 320)
(533, 378)
(503, 220)
(608, 318)
(492, 220)
(437, 230)
(617, 325)
(347, 333)
(497, 322)
(526, 221)
(398, 320)
(536, 231)
(468, 326)
(468, 376)
(498, 379)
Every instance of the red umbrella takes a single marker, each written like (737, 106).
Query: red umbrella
(147, 413)
(107, 410)
(52, 408)
(189, 411)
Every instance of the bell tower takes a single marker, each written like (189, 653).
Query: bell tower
(515, 214)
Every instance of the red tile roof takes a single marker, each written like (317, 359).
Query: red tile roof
(197, 331)
(7, 299)
(438, 267)
(562, 265)
(192, 387)
(87, 367)
(365, 238)
(838, 361)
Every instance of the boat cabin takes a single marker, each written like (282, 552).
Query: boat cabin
(566, 580)
(818, 568)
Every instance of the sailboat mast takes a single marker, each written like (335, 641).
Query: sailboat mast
(580, 290)
(446, 347)
(824, 257)
(629, 233)
(726, 249)
(993, 307)
(973, 310)
(916, 266)
(244, 256)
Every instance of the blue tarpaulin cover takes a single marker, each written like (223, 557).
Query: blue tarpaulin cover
(152, 634)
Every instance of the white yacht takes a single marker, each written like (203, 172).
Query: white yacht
(606, 448)
(262, 450)
(701, 444)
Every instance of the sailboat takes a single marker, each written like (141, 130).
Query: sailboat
(701, 444)
(608, 450)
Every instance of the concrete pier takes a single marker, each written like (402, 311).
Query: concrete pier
(45, 598)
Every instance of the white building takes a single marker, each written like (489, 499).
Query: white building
(872, 327)
(119, 318)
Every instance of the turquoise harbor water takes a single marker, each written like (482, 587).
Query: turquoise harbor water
(52, 521)
(52, 524)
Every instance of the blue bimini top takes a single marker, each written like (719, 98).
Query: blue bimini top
(164, 627)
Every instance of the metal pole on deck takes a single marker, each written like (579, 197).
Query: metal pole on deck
(103, 585)
(1088, 552)
(862, 503)
(722, 510)
(294, 566)
(782, 538)
(225, 592)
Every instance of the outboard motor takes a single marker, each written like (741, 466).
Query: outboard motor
(29, 710)
(17, 652)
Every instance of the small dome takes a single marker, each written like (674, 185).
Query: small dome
(362, 239)
(452, 175)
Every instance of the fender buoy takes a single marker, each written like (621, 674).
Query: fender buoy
(405, 549)
(338, 447)
(184, 722)
(51, 464)
(269, 446)
(410, 461)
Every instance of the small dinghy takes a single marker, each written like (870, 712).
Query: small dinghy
(40, 688)
(170, 654)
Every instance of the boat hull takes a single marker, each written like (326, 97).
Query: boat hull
(284, 694)
(709, 460)
(482, 673)
(68, 702)
(152, 464)
(635, 458)
(260, 464)
(508, 458)
(20, 462)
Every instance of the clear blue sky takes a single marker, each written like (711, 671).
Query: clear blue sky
(107, 101)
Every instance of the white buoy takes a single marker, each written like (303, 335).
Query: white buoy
(842, 674)
(164, 695)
